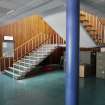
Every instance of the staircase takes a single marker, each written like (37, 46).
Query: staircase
(30, 54)
(25, 64)
(34, 40)
(93, 26)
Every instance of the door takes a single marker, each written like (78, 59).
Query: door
(8, 46)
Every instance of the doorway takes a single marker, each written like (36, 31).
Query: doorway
(8, 46)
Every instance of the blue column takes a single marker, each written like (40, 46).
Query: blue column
(72, 52)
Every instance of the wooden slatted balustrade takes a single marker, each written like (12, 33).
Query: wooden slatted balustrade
(93, 26)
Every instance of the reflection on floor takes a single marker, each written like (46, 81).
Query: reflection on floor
(48, 89)
(92, 91)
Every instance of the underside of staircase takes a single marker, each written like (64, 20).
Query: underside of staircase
(23, 66)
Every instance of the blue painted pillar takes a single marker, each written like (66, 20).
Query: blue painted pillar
(72, 52)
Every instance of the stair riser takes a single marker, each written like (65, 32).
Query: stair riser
(46, 48)
(44, 51)
(10, 75)
(27, 65)
(39, 54)
(54, 45)
(21, 68)
(33, 58)
(31, 62)
(18, 72)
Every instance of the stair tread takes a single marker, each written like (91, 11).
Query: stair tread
(37, 53)
(84, 20)
(17, 69)
(82, 14)
(91, 29)
(29, 59)
(27, 63)
(35, 56)
(20, 65)
(43, 50)
(50, 45)
(87, 25)
(12, 73)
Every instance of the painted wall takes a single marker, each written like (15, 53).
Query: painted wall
(85, 39)
(58, 23)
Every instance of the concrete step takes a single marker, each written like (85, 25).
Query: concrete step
(12, 74)
(17, 71)
(33, 62)
(17, 65)
(34, 57)
(39, 53)
(26, 64)
(46, 48)
(49, 45)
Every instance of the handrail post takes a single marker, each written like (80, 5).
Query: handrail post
(13, 65)
(0, 65)
(25, 49)
(17, 55)
(32, 45)
(4, 63)
(53, 39)
(28, 48)
(95, 25)
(21, 52)
(97, 28)
(103, 35)
(14, 59)
(101, 40)
(9, 61)
(56, 38)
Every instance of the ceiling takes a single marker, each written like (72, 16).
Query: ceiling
(95, 6)
(11, 10)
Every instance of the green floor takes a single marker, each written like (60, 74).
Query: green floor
(48, 89)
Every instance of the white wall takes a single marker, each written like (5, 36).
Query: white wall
(58, 23)
(85, 39)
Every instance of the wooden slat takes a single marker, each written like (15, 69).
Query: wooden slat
(94, 26)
